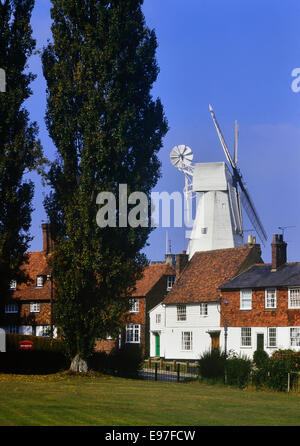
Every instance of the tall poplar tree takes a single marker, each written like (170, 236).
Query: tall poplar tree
(107, 128)
(20, 150)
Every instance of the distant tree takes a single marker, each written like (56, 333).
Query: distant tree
(20, 151)
(107, 128)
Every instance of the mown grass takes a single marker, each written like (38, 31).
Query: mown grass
(66, 400)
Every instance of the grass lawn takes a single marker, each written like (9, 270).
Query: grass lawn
(64, 400)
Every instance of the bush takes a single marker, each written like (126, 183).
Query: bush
(273, 373)
(212, 364)
(48, 356)
(260, 358)
(238, 370)
(125, 362)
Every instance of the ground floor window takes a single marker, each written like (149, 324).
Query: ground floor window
(272, 337)
(43, 330)
(187, 340)
(12, 329)
(11, 308)
(246, 339)
(133, 333)
(295, 336)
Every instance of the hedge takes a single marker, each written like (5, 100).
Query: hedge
(48, 356)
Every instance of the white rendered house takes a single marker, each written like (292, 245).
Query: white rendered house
(187, 323)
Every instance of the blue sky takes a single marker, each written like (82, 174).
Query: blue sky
(238, 56)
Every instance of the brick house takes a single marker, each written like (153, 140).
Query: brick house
(158, 278)
(187, 322)
(261, 307)
(28, 309)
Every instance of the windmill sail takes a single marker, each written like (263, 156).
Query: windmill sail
(237, 179)
(252, 214)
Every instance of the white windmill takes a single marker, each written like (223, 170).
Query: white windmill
(218, 222)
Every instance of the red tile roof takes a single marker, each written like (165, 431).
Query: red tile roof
(152, 274)
(37, 265)
(207, 270)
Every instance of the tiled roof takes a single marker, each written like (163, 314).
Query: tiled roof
(37, 265)
(151, 275)
(261, 276)
(206, 271)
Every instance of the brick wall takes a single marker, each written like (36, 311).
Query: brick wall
(259, 316)
(105, 345)
(41, 318)
(24, 317)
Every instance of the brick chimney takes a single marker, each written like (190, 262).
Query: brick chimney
(278, 251)
(48, 242)
(181, 262)
(170, 259)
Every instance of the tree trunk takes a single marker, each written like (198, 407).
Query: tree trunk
(79, 365)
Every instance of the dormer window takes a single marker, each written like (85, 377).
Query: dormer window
(39, 281)
(13, 284)
(170, 282)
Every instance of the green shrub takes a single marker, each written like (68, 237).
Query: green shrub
(212, 364)
(260, 358)
(273, 373)
(125, 362)
(238, 370)
(40, 343)
(278, 373)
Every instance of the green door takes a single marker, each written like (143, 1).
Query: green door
(260, 341)
(157, 345)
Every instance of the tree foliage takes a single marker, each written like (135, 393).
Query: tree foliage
(107, 129)
(20, 151)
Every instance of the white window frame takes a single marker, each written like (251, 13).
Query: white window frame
(246, 301)
(158, 318)
(134, 305)
(203, 309)
(272, 337)
(246, 337)
(269, 299)
(170, 282)
(39, 281)
(35, 307)
(181, 313)
(13, 285)
(45, 331)
(295, 339)
(11, 308)
(186, 341)
(294, 302)
(133, 334)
